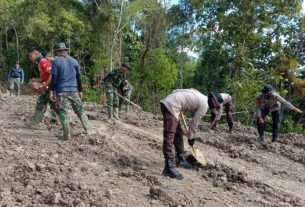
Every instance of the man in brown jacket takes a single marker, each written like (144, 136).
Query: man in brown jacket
(179, 101)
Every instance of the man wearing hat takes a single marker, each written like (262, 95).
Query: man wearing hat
(172, 107)
(114, 81)
(16, 76)
(44, 65)
(269, 101)
(216, 103)
(66, 86)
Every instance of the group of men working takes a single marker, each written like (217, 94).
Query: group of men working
(61, 83)
(190, 100)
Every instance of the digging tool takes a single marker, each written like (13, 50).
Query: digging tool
(197, 154)
(129, 101)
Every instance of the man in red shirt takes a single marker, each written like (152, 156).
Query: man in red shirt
(44, 66)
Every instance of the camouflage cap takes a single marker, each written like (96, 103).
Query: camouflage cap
(60, 46)
(126, 65)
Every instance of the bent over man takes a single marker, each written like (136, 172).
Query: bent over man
(269, 101)
(44, 66)
(172, 107)
(216, 103)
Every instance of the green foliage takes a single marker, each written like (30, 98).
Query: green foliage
(92, 95)
(241, 45)
(289, 125)
(160, 76)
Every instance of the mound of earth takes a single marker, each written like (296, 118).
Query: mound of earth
(121, 165)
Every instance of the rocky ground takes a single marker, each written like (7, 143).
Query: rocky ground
(122, 164)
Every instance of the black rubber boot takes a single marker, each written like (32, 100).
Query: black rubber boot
(230, 128)
(274, 138)
(181, 162)
(170, 170)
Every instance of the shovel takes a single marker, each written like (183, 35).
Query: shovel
(197, 154)
(129, 101)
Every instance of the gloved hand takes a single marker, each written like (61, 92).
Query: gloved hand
(191, 142)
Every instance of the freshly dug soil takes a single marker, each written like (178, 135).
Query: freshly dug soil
(121, 165)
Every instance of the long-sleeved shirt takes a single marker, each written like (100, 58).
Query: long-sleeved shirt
(183, 100)
(115, 77)
(226, 98)
(65, 75)
(273, 103)
(16, 73)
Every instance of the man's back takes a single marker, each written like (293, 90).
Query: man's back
(65, 68)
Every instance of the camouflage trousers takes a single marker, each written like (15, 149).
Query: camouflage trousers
(41, 107)
(61, 108)
(42, 102)
(113, 101)
(112, 97)
(126, 94)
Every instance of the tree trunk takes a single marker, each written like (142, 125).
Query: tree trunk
(142, 62)
(17, 43)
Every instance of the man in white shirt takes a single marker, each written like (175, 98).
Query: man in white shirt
(216, 103)
(172, 106)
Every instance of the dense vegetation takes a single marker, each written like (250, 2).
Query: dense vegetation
(240, 44)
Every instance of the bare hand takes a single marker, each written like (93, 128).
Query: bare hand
(51, 96)
(297, 110)
(41, 88)
(81, 95)
(261, 120)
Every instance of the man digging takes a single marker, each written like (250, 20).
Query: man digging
(217, 101)
(113, 81)
(44, 66)
(270, 102)
(66, 86)
(172, 107)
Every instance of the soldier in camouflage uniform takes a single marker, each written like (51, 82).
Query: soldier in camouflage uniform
(113, 82)
(66, 86)
(44, 66)
(126, 90)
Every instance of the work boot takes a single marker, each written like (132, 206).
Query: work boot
(274, 138)
(116, 113)
(170, 170)
(181, 162)
(261, 139)
(230, 128)
(86, 124)
(127, 108)
(36, 119)
(65, 129)
(215, 128)
(110, 113)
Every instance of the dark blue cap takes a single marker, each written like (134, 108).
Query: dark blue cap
(267, 88)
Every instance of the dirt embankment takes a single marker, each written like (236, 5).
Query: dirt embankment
(122, 164)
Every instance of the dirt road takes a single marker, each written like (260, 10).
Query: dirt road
(122, 164)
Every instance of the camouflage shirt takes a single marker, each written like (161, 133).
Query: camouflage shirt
(115, 77)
